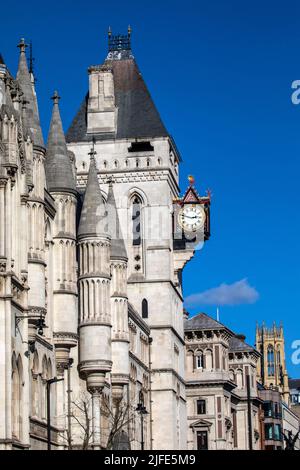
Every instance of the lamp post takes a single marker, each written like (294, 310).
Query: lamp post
(141, 409)
(48, 384)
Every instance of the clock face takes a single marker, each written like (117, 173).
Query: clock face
(191, 217)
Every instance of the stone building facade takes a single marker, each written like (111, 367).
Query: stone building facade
(219, 404)
(294, 386)
(90, 277)
(271, 367)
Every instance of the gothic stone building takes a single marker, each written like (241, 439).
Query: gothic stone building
(90, 277)
(271, 366)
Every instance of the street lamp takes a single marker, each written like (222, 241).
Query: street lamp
(141, 409)
(48, 384)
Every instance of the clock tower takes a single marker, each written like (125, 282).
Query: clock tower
(191, 218)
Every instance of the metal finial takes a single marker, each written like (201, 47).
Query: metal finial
(209, 193)
(31, 58)
(109, 31)
(191, 180)
(55, 97)
(22, 45)
(129, 30)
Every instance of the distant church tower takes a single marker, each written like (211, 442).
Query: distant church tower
(271, 366)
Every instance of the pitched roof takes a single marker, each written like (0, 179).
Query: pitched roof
(137, 114)
(31, 118)
(294, 383)
(93, 214)
(118, 250)
(202, 321)
(235, 344)
(58, 166)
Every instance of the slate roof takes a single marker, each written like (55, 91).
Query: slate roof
(202, 322)
(118, 250)
(137, 114)
(235, 344)
(93, 214)
(294, 383)
(58, 166)
(31, 119)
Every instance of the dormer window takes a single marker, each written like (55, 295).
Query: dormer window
(141, 147)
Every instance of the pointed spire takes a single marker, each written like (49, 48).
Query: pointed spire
(58, 166)
(93, 221)
(1, 59)
(118, 250)
(24, 79)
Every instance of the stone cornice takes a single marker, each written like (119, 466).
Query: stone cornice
(168, 327)
(169, 371)
(44, 342)
(156, 281)
(136, 359)
(36, 261)
(95, 275)
(136, 318)
(95, 323)
(66, 292)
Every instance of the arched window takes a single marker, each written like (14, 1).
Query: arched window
(270, 357)
(208, 359)
(16, 399)
(231, 375)
(199, 360)
(43, 395)
(190, 361)
(35, 385)
(239, 378)
(144, 308)
(136, 221)
(278, 358)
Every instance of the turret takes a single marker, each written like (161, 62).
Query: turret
(2, 80)
(35, 160)
(272, 372)
(31, 115)
(94, 288)
(119, 301)
(61, 185)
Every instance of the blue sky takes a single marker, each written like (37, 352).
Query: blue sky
(220, 74)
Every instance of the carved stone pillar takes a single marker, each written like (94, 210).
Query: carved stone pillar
(95, 384)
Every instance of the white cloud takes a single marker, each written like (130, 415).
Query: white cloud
(238, 293)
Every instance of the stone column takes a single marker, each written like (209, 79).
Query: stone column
(95, 384)
(96, 418)
(61, 412)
